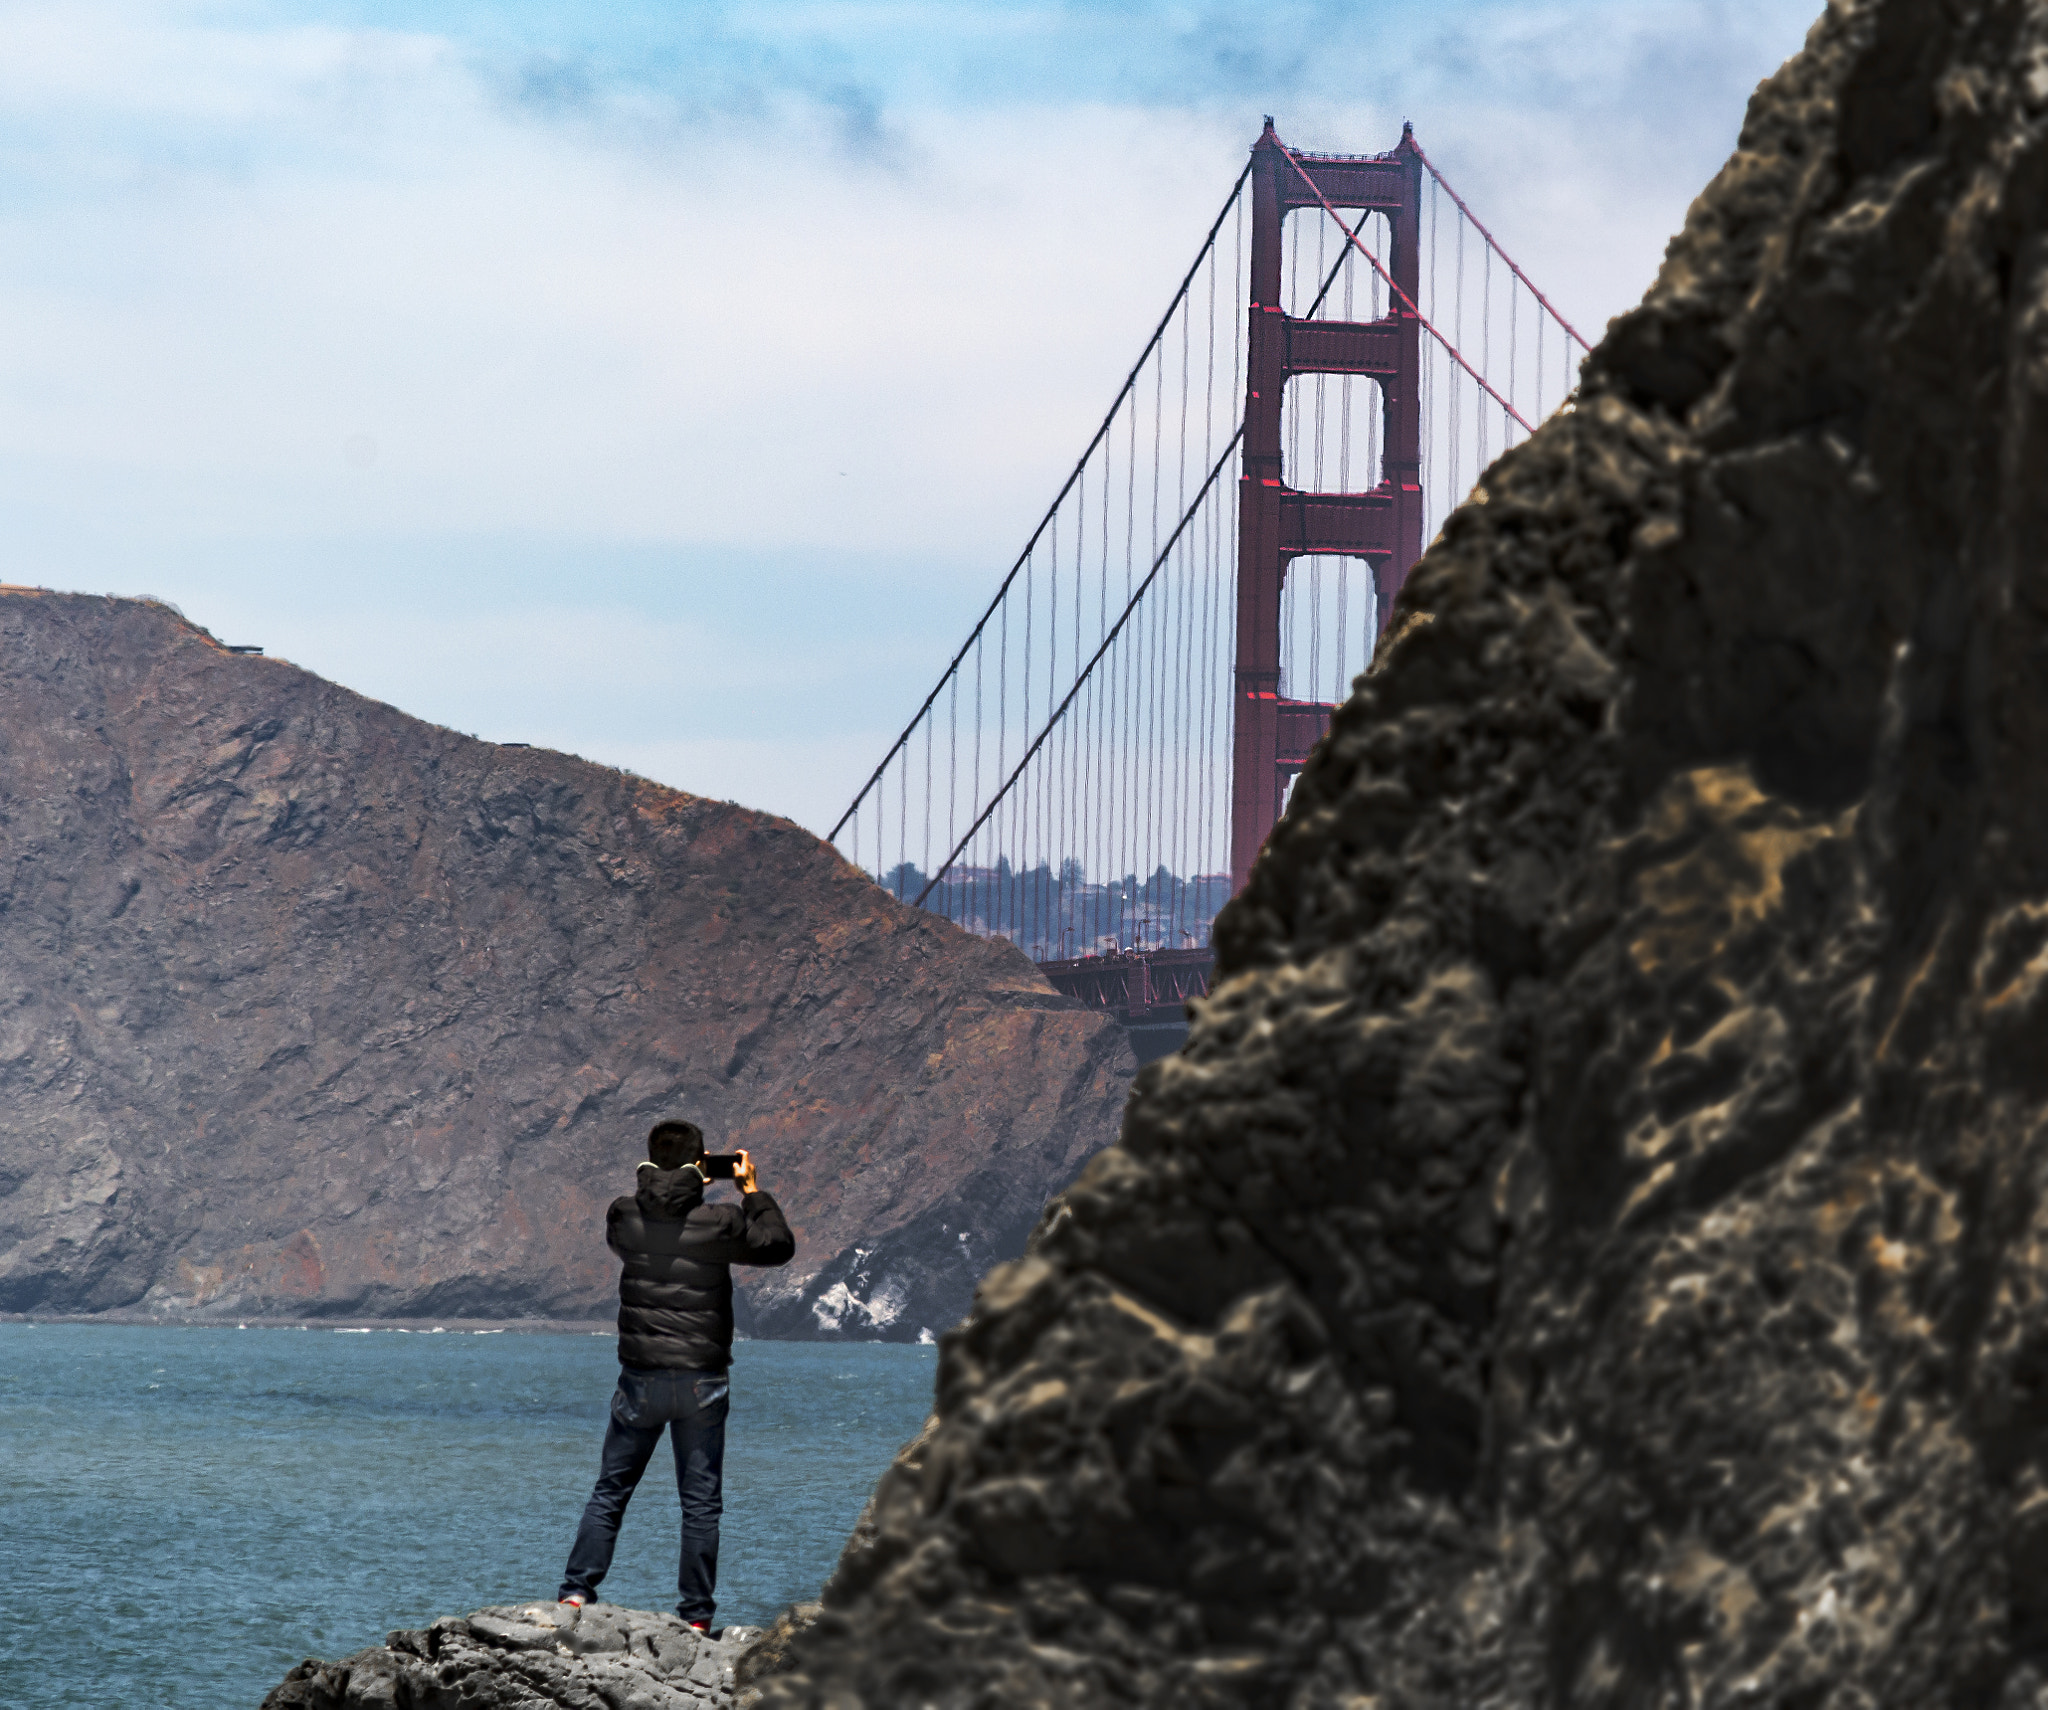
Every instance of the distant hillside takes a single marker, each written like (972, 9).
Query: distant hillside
(308, 1007)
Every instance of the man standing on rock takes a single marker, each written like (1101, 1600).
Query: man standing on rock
(675, 1345)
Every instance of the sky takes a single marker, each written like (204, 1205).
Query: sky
(670, 383)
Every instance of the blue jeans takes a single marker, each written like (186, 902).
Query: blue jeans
(692, 1405)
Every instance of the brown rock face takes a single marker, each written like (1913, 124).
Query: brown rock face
(1593, 1251)
(311, 1008)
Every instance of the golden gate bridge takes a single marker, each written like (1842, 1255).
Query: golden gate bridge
(1095, 769)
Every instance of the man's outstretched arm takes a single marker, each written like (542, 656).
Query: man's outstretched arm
(764, 1235)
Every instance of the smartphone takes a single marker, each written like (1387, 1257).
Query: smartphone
(721, 1166)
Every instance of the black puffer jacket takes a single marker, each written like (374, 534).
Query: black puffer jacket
(675, 1297)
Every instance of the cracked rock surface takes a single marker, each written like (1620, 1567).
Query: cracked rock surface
(529, 1656)
(1593, 1250)
(308, 1008)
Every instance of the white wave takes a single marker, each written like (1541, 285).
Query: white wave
(839, 1308)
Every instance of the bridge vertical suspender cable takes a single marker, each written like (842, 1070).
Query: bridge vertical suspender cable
(1529, 284)
(1116, 630)
(1052, 511)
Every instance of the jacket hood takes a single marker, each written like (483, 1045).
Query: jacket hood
(669, 1193)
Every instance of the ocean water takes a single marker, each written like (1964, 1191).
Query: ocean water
(186, 1513)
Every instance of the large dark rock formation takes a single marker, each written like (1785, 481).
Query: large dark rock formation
(1593, 1249)
(308, 1008)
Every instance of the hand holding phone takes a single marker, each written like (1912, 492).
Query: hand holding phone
(729, 1167)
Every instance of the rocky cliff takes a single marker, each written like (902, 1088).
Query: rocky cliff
(307, 1007)
(1593, 1250)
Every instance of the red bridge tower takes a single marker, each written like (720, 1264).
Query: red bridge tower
(1277, 524)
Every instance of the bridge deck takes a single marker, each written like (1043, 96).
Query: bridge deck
(1143, 988)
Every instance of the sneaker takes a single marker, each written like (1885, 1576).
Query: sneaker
(575, 1600)
(703, 1627)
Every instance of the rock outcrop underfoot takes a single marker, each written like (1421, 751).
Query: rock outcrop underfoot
(529, 1656)
(1593, 1250)
(310, 1009)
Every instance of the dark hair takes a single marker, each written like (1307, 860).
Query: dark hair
(671, 1145)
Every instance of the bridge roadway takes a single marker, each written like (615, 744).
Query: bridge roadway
(1147, 990)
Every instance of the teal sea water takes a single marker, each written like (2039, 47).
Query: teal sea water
(185, 1513)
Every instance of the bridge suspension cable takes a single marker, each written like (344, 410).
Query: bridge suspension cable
(1088, 670)
(1060, 783)
(1458, 436)
(1543, 302)
(1045, 523)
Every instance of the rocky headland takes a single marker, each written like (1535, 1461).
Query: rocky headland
(1593, 1250)
(313, 1010)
